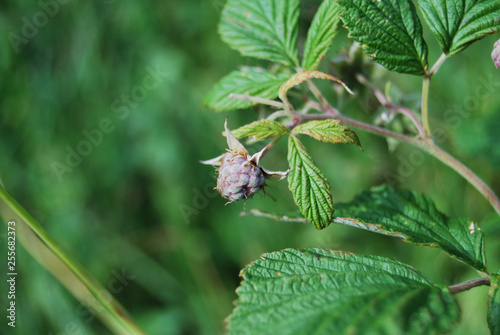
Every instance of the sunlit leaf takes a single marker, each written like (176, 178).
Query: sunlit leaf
(261, 129)
(389, 32)
(248, 81)
(458, 23)
(330, 131)
(302, 76)
(309, 186)
(265, 29)
(323, 292)
(414, 218)
(320, 34)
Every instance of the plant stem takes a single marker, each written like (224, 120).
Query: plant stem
(277, 115)
(376, 130)
(425, 102)
(384, 101)
(413, 118)
(483, 281)
(426, 144)
(465, 172)
(257, 100)
(425, 93)
(332, 113)
(437, 65)
(114, 312)
(267, 148)
(317, 93)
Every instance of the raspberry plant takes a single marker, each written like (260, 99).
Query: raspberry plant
(317, 291)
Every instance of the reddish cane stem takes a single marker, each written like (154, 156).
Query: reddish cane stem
(483, 281)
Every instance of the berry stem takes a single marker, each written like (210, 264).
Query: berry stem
(269, 146)
(317, 93)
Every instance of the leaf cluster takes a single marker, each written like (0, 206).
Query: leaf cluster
(329, 292)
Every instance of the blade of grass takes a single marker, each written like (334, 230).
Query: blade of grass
(109, 310)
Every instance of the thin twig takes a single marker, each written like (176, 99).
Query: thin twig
(277, 115)
(389, 105)
(269, 146)
(437, 65)
(425, 105)
(310, 117)
(317, 93)
(334, 114)
(285, 218)
(483, 281)
(257, 100)
(426, 144)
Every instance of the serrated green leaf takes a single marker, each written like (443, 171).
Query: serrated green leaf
(309, 186)
(458, 23)
(494, 305)
(261, 130)
(415, 219)
(323, 292)
(329, 131)
(251, 81)
(389, 32)
(265, 29)
(320, 34)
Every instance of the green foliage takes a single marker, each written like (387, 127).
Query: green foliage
(321, 33)
(457, 23)
(153, 203)
(316, 291)
(265, 29)
(261, 130)
(329, 131)
(324, 292)
(389, 31)
(415, 219)
(309, 186)
(494, 305)
(248, 81)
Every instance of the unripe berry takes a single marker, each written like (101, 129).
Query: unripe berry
(239, 178)
(240, 175)
(495, 54)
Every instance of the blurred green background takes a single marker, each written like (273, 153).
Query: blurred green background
(138, 202)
